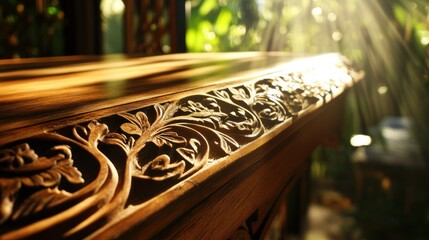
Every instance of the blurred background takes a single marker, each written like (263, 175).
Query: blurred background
(375, 184)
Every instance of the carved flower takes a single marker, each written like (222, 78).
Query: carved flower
(16, 157)
(20, 166)
(22, 163)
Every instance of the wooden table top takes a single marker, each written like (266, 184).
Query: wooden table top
(40, 92)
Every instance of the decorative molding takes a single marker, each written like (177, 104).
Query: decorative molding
(156, 146)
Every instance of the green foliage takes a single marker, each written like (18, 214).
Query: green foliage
(207, 6)
(222, 26)
(223, 22)
(389, 40)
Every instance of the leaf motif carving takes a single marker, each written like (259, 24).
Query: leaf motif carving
(200, 113)
(189, 154)
(168, 138)
(196, 110)
(222, 94)
(131, 128)
(161, 168)
(138, 123)
(143, 120)
(9, 188)
(239, 94)
(165, 141)
(39, 201)
(34, 172)
(44, 179)
(66, 169)
(62, 165)
(120, 140)
(226, 142)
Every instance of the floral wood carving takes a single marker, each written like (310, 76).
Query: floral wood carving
(21, 167)
(155, 146)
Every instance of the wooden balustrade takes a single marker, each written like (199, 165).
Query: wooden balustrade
(183, 146)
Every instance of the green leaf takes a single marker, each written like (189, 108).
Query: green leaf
(223, 21)
(191, 39)
(400, 14)
(207, 6)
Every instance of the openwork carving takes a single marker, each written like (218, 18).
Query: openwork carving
(156, 146)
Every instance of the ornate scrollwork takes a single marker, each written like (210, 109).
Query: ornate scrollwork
(165, 142)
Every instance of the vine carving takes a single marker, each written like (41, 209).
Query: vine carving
(162, 143)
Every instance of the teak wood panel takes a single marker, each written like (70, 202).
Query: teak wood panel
(177, 146)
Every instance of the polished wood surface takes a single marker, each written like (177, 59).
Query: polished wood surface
(177, 146)
(40, 92)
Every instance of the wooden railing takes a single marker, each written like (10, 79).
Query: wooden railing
(185, 146)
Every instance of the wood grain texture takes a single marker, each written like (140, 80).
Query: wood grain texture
(43, 95)
(161, 146)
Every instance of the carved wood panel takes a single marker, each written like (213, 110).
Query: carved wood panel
(68, 182)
